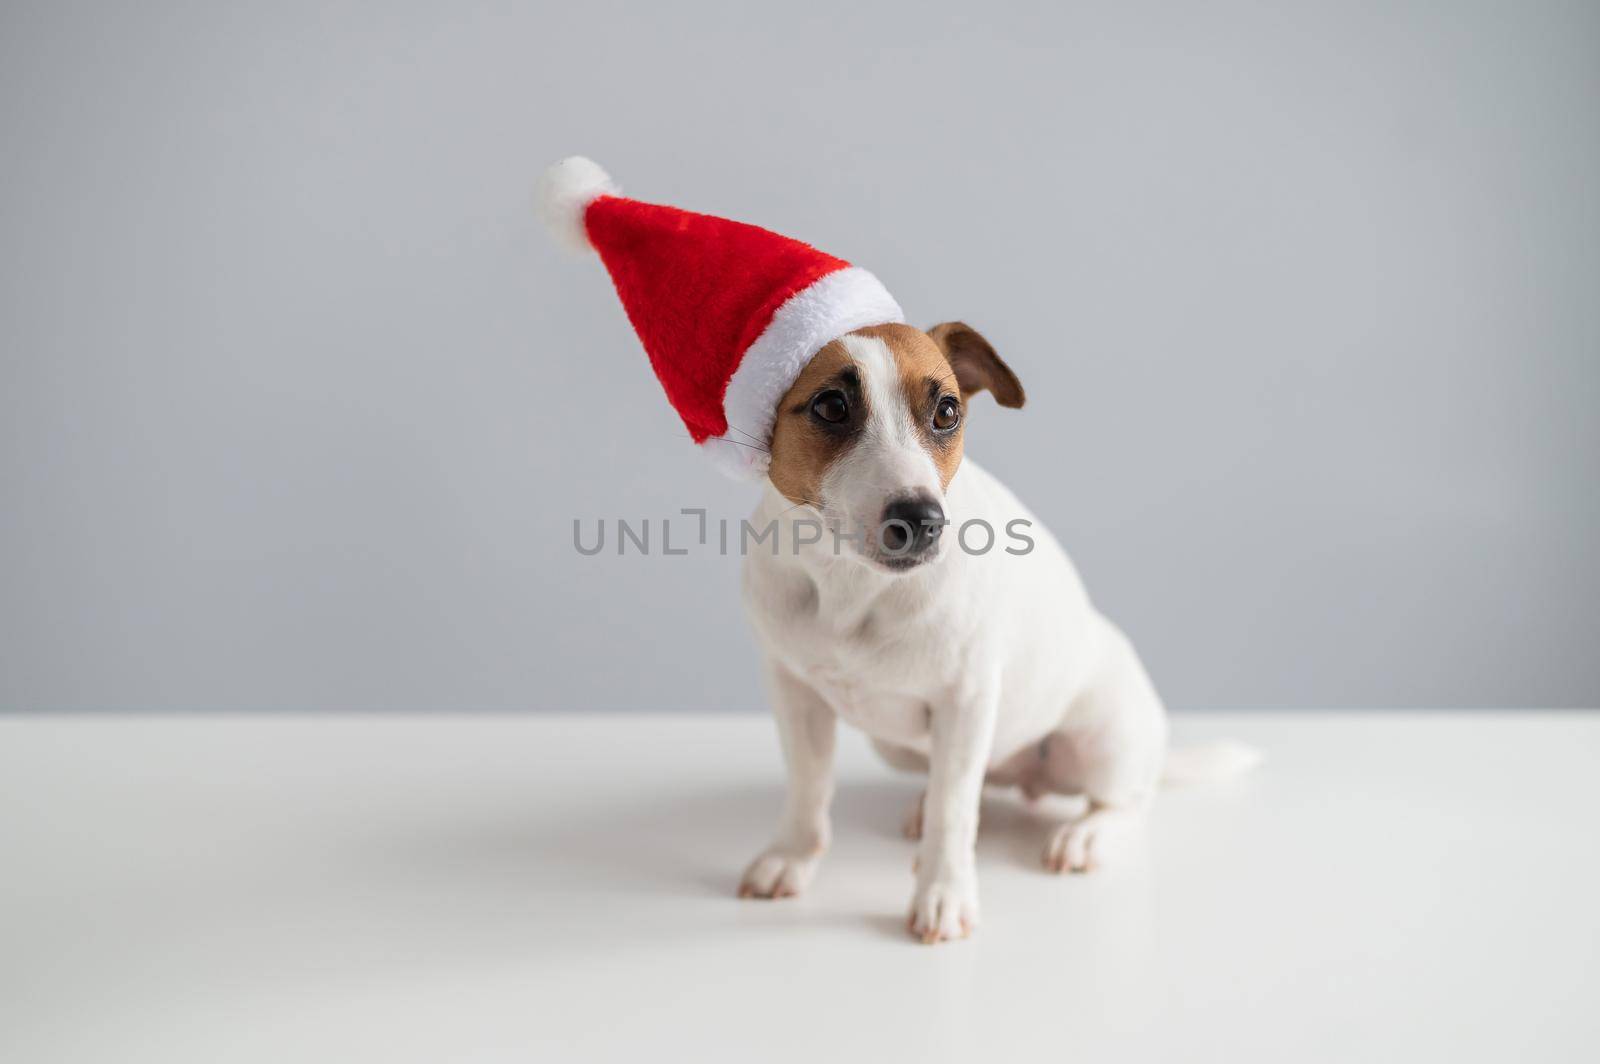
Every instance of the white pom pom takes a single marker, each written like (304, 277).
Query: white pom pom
(565, 191)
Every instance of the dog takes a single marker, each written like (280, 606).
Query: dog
(976, 668)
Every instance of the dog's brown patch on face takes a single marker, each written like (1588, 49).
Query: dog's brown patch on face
(944, 367)
(926, 380)
(802, 446)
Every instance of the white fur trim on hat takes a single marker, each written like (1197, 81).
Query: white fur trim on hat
(832, 305)
(565, 191)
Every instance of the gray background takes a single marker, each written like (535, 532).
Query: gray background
(298, 404)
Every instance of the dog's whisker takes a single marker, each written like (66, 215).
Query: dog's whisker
(736, 443)
(803, 502)
(757, 440)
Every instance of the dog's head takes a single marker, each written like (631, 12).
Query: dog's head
(872, 430)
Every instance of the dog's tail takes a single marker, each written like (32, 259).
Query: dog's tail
(1208, 762)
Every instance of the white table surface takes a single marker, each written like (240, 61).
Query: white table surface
(1418, 886)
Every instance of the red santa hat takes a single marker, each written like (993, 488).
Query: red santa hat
(728, 313)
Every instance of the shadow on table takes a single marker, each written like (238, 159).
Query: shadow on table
(672, 863)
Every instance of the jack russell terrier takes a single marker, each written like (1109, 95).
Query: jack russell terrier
(977, 668)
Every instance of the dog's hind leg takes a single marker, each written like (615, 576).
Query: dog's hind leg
(911, 826)
(1084, 844)
(1110, 747)
(899, 757)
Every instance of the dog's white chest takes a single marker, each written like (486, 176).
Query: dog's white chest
(880, 712)
(867, 666)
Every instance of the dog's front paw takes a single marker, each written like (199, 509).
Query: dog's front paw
(944, 909)
(778, 873)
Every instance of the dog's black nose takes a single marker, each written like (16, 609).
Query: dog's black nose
(910, 526)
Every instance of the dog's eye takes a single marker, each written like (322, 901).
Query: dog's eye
(947, 415)
(831, 407)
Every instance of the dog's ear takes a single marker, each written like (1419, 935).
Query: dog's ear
(977, 366)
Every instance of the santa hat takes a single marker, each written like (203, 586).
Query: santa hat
(729, 313)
